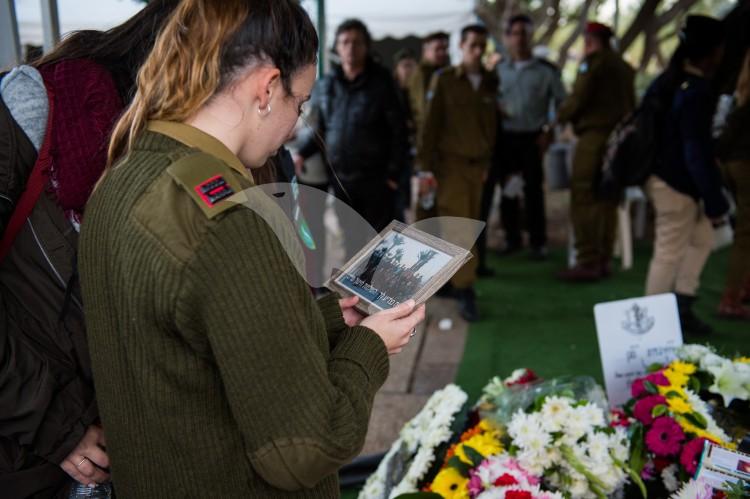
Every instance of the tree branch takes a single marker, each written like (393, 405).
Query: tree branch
(565, 47)
(642, 19)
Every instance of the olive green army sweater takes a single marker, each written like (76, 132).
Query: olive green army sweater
(217, 374)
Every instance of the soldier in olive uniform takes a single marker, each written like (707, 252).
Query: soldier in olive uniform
(602, 96)
(434, 56)
(457, 143)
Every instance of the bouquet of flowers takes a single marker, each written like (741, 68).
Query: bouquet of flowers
(569, 443)
(670, 424)
(411, 457)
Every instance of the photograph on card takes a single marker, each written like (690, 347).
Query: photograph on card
(402, 263)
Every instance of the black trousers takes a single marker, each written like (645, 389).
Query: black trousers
(520, 154)
(371, 199)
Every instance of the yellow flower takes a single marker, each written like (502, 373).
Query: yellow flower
(664, 390)
(689, 427)
(743, 360)
(679, 405)
(487, 444)
(487, 425)
(682, 367)
(450, 484)
(676, 379)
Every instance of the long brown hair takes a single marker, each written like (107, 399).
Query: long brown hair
(203, 46)
(743, 82)
(121, 50)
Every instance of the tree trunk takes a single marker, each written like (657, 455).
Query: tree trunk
(553, 22)
(644, 17)
(582, 18)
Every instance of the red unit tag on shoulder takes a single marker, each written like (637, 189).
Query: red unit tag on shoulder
(214, 190)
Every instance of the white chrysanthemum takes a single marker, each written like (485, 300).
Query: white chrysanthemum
(712, 360)
(592, 414)
(494, 493)
(555, 411)
(532, 462)
(694, 489)
(669, 478)
(598, 446)
(579, 488)
(693, 353)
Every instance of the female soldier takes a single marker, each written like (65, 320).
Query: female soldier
(63, 109)
(217, 373)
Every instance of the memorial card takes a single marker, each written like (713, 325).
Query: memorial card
(633, 335)
(401, 263)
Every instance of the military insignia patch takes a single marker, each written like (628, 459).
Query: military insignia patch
(214, 190)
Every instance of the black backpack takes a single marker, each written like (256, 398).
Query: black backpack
(633, 150)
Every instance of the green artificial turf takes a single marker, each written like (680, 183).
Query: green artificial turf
(530, 319)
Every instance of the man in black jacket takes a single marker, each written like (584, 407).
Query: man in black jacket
(364, 131)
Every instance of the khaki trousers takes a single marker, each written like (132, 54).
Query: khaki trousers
(684, 239)
(594, 221)
(459, 194)
(737, 176)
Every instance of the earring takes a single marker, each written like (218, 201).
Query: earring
(265, 112)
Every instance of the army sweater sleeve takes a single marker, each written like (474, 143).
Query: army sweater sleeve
(259, 317)
(333, 316)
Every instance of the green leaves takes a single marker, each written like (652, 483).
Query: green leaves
(696, 419)
(658, 410)
(650, 387)
(463, 468)
(654, 367)
(637, 450)
(475, 457)
(460, 466)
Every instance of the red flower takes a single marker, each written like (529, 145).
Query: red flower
(642, 409)
(505, 480)
(518, 494)
(529, 376)
(664, 437)
(661, 462)
(637, 389)
(618, 418)
(658, 379)
(690, 455)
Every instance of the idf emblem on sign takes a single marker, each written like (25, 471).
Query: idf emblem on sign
(637, 321)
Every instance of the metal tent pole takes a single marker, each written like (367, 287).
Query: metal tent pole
(50, 23)
(322, 49)
(10, 46)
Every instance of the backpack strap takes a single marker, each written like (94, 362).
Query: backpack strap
(34, 187)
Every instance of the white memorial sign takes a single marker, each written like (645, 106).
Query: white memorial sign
(634, 334)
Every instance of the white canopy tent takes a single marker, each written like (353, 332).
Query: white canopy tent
(40, 22)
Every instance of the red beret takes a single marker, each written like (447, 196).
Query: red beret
(594, 28)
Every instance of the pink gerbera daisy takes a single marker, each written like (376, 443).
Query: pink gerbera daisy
(658, 379)
(664, 437)
(642, 409)
(691, 453)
